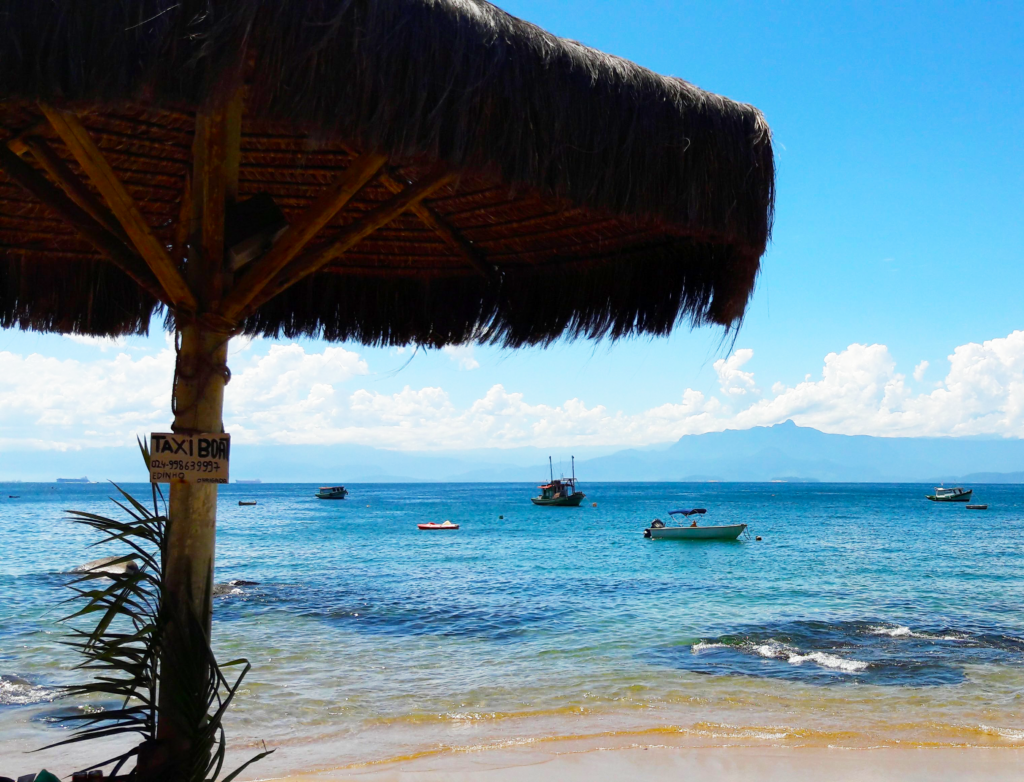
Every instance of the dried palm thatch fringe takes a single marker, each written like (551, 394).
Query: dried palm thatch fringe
(644, 293)
(95, 298)
(455, 81)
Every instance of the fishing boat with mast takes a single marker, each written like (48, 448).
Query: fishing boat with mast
(561, 492)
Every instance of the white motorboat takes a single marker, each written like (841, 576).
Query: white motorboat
(660, 531)
(950, 494)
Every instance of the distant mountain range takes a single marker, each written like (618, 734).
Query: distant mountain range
(781, 452)
(796, 453)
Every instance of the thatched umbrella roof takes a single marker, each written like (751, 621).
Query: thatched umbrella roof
(380, 170)
(590, 196)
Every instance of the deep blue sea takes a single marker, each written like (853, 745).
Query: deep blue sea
(866, 615)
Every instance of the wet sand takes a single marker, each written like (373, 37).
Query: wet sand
(653, 763)
(631, 755)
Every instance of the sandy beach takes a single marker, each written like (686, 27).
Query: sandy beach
(654, 756)
(584, 761)
(709, 752)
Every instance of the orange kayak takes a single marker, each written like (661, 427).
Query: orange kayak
(435, 525)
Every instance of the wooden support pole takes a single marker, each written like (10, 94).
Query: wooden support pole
(96, 167)
(233, 142)
(188, 563)
(201, 373)
(297, 236)
(209, 199)
(112, 248)
(438, 225)
(353, 234)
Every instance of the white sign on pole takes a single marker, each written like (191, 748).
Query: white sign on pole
(192, 458)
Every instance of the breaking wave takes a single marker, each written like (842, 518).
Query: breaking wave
(703, 646)
(15, 691)
(881, 653)
(900, 631)
(824, 659)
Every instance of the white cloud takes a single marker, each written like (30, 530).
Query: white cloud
(731, 379)
(289, 395)
(47, 402)
(919, 371)
(103, 343)
(241, 344)
(463, 355)
(53, 402)
(861, 393)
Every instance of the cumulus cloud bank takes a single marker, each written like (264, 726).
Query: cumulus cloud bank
(290, 396)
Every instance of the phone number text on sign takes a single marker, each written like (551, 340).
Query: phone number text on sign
(192, 458)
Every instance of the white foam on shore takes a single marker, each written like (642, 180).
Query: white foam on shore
(18, 692)
(726, 731)
(1010, 734)
(461, 716)
(775, 651)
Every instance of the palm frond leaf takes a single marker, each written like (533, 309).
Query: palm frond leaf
(124, 651)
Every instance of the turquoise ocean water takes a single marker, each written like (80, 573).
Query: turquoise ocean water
(866, 616)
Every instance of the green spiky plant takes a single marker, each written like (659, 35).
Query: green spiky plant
(123, 649)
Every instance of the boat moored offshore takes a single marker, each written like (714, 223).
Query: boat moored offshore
(332, 493)
(950, 494)
(659, 531)
(561, 492)
(446, 525)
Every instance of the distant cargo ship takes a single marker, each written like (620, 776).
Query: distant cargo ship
(73, 480)
(250, 480)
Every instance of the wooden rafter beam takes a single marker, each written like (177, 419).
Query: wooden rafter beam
(442, 228)
(59, 172)
(76, 138)
(307, 264)
(262, 272)
(103, 240)
(17, 144)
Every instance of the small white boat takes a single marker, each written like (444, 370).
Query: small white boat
(659, 531)
(434, 525)
(950, 494)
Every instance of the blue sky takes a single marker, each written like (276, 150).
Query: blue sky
(899, 133)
